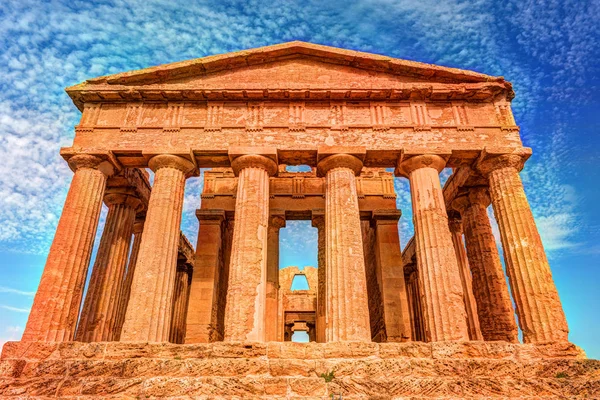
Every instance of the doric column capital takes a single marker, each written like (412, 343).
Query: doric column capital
(318, 219)
(455, 222)
(123, 198)
(476, 195)
(81, 161)
(212, 217)
(479, 195)
(123, 195)
(254, 161)
(339, 161)
(460, 203)
(407, 165)
(171, 161)
(490, 161)
(277, 220)
(138, 225)
(388, 217)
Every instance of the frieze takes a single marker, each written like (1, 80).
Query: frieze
(252, 116)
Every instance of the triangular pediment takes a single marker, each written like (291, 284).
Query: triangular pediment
(288, 55)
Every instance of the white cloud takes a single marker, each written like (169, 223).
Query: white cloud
(15, 309)
(4, 289)
(542, 48)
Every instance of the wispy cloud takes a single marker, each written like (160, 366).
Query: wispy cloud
(15, 309)
(4, 289)
(543, 47)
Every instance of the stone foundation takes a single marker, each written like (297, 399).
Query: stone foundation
(293, 370)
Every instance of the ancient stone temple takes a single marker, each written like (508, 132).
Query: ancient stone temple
(442, 319)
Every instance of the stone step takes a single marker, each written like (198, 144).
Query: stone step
(289, 370)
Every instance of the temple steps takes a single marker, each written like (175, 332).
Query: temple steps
(273, 370)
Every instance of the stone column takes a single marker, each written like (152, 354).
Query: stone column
(391, 275)
(181, 293)
(98, 321)
(456, 230)
(347, 304)
(496, 314)
(55, 309)
(204, 290)
(138, 228)
(413, 292)
(276, 222)
(246, 295)
(318, 221)
(538, 306)
(148, 316)
(443, 306)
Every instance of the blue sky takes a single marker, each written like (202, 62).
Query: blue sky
(549, 50)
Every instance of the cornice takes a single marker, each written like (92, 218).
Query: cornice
(486, 91)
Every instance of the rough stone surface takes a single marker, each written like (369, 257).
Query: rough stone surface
(353, 370)
(246, 294)
(99, 317)
(539, 309)
(495, 310)
(456, 230)
(148, 314)
(443, 306)
(347, 313)
(56, 304)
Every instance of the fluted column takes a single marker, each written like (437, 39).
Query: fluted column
(347, 304)
(443, 307)
(496, 314)
(246, 294)
(318, 221)
(539, 309)
(180, 305)
(456, 230)
(99, 315)
(148, 316)
(276, 222)
(138, 228)
(53, 316)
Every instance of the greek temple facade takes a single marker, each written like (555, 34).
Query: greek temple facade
(357, 120)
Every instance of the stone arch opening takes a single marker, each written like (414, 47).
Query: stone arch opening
(299, 282)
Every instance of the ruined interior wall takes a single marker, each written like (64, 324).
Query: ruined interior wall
(373, 291)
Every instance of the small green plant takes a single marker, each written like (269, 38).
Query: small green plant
(177, 357)
(561, 375)
(328, 376)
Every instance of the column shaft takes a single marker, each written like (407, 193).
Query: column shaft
(496, 314)
(180, 306)
(443, 306)
(148, 316)
(318, 221)
(347, 310)
(538, 306)
(466, 280)
(99, 315)
(413, 292)
(393, 286)
(246, 295)
(56, 305)
(138, 228)
(272, 292)
(204, 290)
